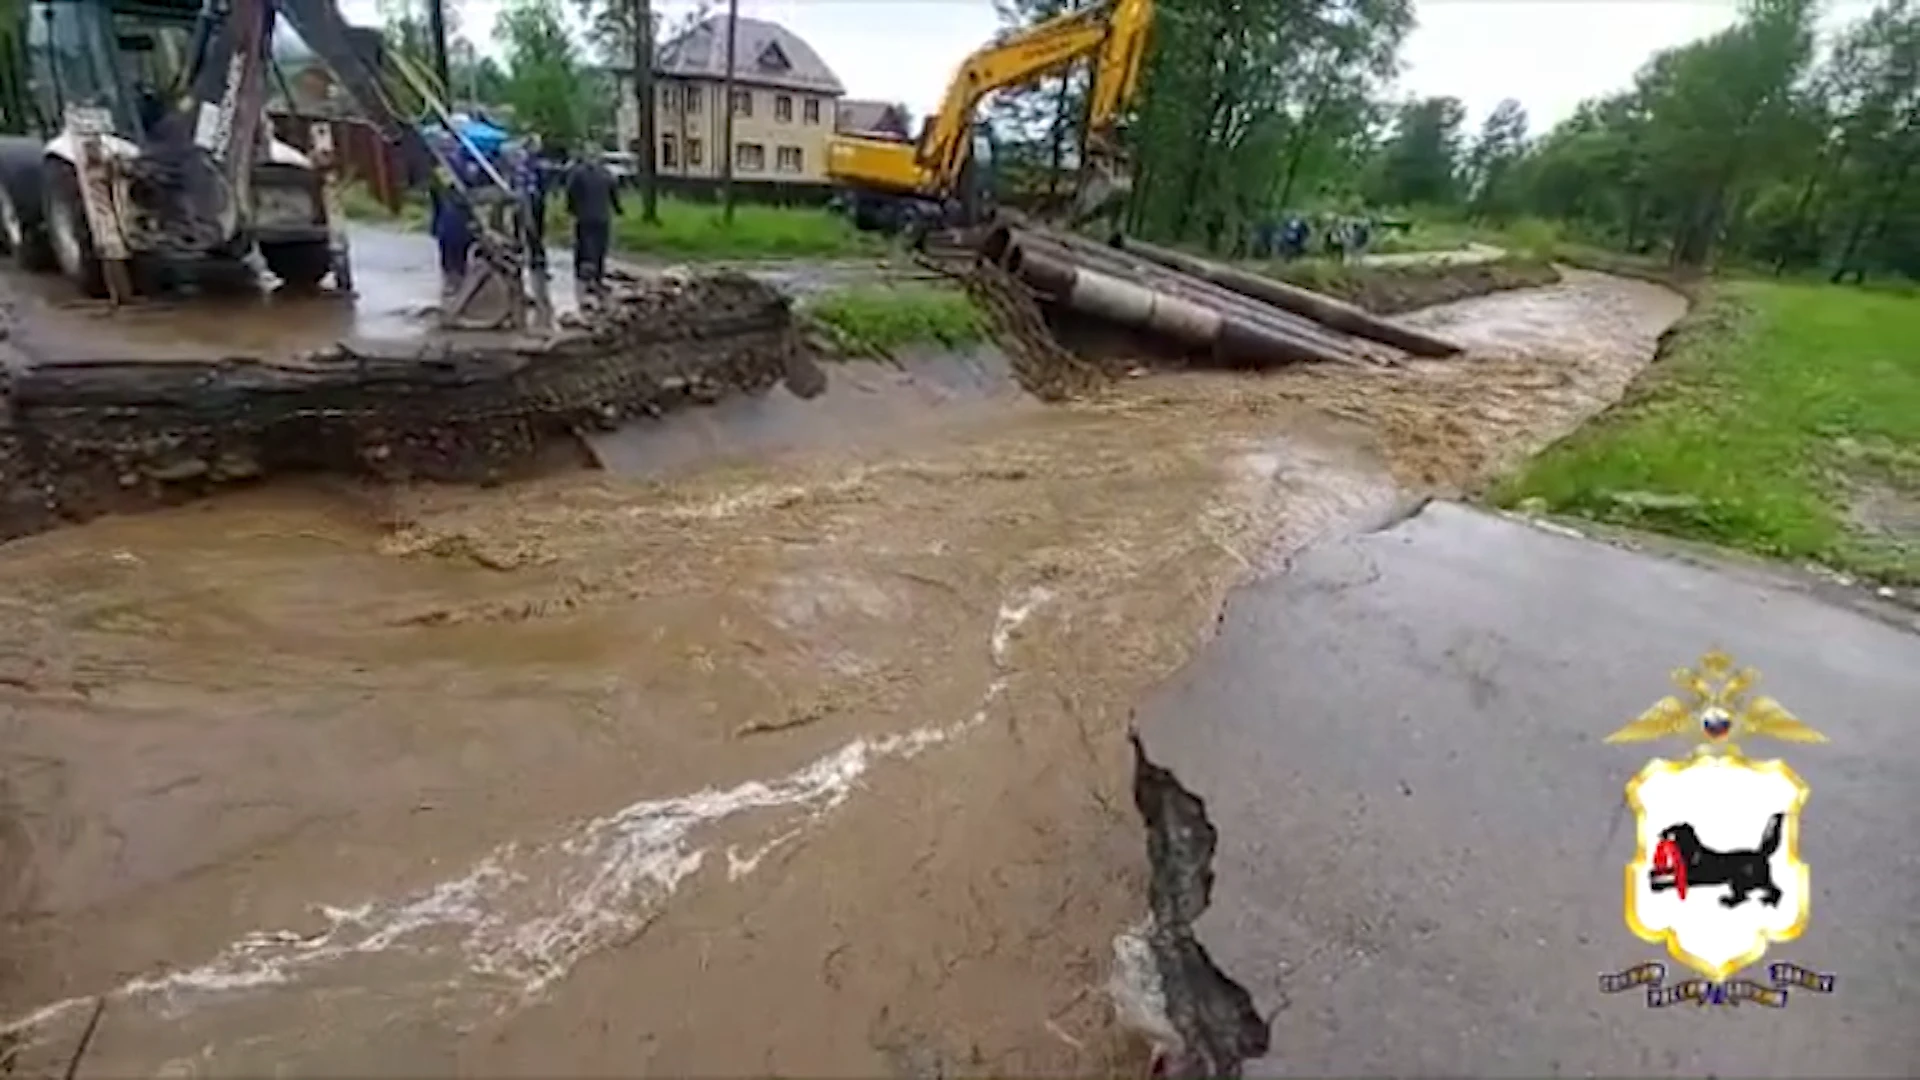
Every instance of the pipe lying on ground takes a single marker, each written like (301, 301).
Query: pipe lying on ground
(1127, 303)
(1166, 279)
(1321, 309)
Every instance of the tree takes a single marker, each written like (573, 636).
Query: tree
(404, 25)
(1420, 166)
(1501, 145)
(1245, 105)
(477, 79)
(624, 34)
(1874, 76)
(545, 84)
(1033, 125)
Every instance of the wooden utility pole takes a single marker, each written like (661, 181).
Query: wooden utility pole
(726, 151)
(437, 46)
(640, 19)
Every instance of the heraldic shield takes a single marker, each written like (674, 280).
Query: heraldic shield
(1717, 874)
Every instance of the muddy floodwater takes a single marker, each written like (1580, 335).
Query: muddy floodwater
(805, 757)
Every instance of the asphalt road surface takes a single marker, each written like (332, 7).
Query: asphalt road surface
(1422, 835)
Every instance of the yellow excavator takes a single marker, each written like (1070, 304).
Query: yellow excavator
(890, 183)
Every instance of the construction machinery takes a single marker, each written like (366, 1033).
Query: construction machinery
(138, 150)
(937, 180)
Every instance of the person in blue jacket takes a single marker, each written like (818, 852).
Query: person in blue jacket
(452, 217)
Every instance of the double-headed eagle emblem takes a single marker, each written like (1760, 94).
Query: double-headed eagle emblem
(1716, 707)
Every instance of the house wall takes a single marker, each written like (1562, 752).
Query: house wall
(689, 125)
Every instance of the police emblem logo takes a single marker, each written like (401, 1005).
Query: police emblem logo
(1716, 874)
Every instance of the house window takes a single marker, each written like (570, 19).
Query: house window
(783, 108)
(773, 58)
(790, 160)
(743, 103)
(669, 152)
(811, 110)
(693, 100)
(669, 96)
(694, 157)
(750, 157)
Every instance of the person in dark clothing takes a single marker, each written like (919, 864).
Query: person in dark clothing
(452, 218)
(530, 192)
(593, 201)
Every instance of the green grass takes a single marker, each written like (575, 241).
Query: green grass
(1774, 402)
(875, 320)
(696, 230)
(1425, 234)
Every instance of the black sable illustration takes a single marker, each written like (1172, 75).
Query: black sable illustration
(1742, 872)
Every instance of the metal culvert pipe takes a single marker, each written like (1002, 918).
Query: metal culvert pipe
(1233, 304)
(1113, 298)
(1321, 309)
(998, 244)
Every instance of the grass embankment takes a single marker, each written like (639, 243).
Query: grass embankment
(877, 320)
(687, 230)
(1782, 419)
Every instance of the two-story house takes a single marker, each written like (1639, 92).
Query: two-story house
(873, 119)
(783, 106)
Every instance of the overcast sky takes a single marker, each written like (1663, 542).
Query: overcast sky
(1550, 54)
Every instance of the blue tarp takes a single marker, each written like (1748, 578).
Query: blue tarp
(483, 136)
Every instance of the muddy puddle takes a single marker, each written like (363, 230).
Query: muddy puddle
(787, 748)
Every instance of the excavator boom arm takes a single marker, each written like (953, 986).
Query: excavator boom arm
(1115, 32)
(1116, 75)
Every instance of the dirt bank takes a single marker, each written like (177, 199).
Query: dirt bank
(128, 429)
(810, 764)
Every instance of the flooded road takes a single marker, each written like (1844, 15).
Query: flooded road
(808, 759)
(397, 291)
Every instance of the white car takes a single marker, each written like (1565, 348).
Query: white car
(624, 165)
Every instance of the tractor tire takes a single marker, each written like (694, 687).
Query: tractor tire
(23, 228)
(71, 236)
(300, 265)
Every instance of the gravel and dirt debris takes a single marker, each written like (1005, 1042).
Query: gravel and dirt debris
(831, 744)
(83, 437)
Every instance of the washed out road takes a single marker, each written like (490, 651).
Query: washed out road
(1422, 835)
(808, 759)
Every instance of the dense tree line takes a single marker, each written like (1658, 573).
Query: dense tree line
(1761, 144)
(1245, 106)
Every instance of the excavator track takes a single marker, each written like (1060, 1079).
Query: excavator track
(81, 438)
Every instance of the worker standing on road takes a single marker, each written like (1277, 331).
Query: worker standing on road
(452, 223)
(530, 209)
(593, 201)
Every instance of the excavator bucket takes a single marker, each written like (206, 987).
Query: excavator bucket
(485, 299)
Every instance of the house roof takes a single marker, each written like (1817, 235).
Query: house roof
(765, 54)
(853, 114)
